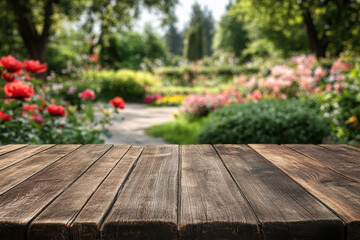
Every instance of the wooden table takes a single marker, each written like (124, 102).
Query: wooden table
(186, 192)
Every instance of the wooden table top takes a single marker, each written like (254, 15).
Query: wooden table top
(179, 192)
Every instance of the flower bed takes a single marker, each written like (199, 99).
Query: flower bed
(29, 115)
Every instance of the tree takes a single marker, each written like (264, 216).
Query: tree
(155, 46)
(35, 19)
(202, 22)
(329, 26)
(174, 40)
(195, 45)
(230, 35)
(129, 49)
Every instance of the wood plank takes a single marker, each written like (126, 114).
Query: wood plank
(285, 209)
(338, 160)
(87, 223)
(212, 207)
(54, 222)
(17, 173)
(10, 147)
(345, 149)
(24, 202)
(339, 193)
(23, 153)
(146, 208)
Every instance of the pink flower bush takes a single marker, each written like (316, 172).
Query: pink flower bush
(302, 76)
(87, 94)
(200, 105)
(152, 98)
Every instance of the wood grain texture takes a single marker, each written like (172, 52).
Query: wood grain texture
(87, 223)
(285, 209)
(54, 222)
(339, 193)
(25, 201)
(146, 208)
(17, 173)
(342, 148)
(17, 156)
(339, 160)
(212, 207)
(10, 147)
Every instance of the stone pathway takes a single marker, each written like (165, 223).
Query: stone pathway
(138, 117)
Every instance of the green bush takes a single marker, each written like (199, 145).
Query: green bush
(179, 74)
(183, 90)
(58, 58)
(130, 85)
(181, 130)
(272, 121)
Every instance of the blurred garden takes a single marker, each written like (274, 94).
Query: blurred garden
(265, 72)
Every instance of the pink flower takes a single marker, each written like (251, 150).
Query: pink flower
(257, 94)
(37, 118)
(337, 86)
(340, 78)
(328, 87)
(87, 94)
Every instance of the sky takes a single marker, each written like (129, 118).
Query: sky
(182, 11)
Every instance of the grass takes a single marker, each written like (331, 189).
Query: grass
(179, 131)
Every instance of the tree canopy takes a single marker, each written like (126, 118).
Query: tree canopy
(328, 26)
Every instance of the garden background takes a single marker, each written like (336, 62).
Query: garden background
(266, 72)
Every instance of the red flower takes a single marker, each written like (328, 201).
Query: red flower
(37, 118)
(11, 64)
(55, 110)
(257, 94)
(118, 102)
(94, 57)
(4, 117)
(32, 66)
(87, 94)
(27, 78)
(9, 77)
(29, 108)
(19, 90)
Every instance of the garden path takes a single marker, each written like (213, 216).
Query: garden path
(137, 118)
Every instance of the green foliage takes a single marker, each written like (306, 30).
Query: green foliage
(182, 90)
(184, 74)
(321, 27)
(59, 58)
(128, 84)
(195, 43)
(272, 121)
(230, 35)
(199, 34)
(174, 40)
(179, 131)
(129, 50)
(342, 110)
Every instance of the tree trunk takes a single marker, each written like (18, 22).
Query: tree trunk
(34, 42)
(315, 44)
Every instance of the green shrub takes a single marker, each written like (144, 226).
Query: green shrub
(130, 85)
(58, 59)
(181, 130)
(272, 121)
(187, 73)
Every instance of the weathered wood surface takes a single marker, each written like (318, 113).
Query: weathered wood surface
(284, 208)
(211, 204)
(251, 191)
(336, 191)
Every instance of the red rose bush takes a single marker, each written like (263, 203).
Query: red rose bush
(29, 114)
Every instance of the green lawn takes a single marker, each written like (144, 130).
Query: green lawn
(179, 131)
